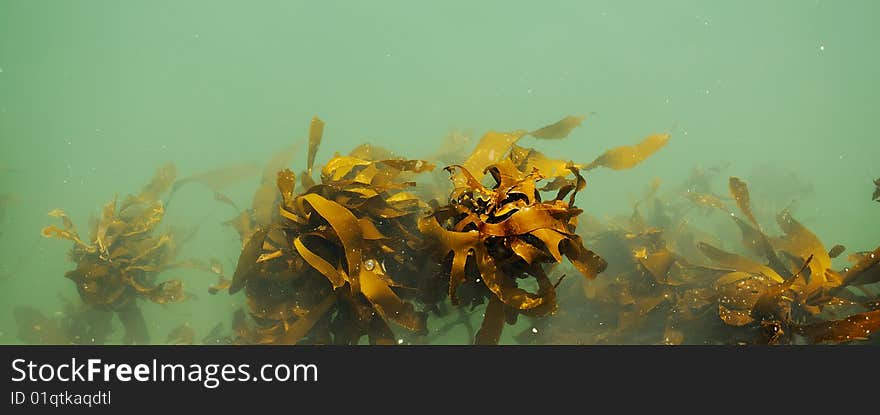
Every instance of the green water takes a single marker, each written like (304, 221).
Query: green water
(95, 95)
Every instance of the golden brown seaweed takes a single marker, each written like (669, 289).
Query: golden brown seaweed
(120, 262)
(627, 157)
(559, 129)
(336, 261)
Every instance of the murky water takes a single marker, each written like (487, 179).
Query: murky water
(95, 95)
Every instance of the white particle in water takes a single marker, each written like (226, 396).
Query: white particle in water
(370, 264)
(821, 47)
(399, 341)
(534, 330)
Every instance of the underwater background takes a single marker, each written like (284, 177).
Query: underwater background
(95, 95)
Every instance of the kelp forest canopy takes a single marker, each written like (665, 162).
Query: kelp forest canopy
(375, 248)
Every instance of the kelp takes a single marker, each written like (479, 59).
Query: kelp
(627, 157)
(491, 240)
(789, 294)
(119, 262)
(366, 246)
(876, 196)
(340, 260)
(778, 289)
(217, 179)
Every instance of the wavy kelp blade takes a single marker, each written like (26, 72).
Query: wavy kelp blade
(587, 262)
(758, 243)
(768, 302)
(320, 264)
(737, 262)
(301, 327)
(67, 232)
(493, 323)
(219, 178)
(865, 271)
(527, 159)
(855, 327)
(389, 305)
(657, 264)
(346, 227)
(559, 129)
(535, 304)
(263, 202)
(286, 183)
(706, 200)
(316, 131)
(161, 182)
(459, 243)
(247, 260)
(740, 192)
(802, 243)
(627, 157)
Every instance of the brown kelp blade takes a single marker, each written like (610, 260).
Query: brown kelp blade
(559, 129)
(627, 157)
(865, 271)
(247, 260)
(855, 327)
(876, 195)
(740, 192)
(493, 323)
(316, 131)
(219, 178)
(161, 182)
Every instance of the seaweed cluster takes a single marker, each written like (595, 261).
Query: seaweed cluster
(775, 290)
(119, 262)
(369, 246)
